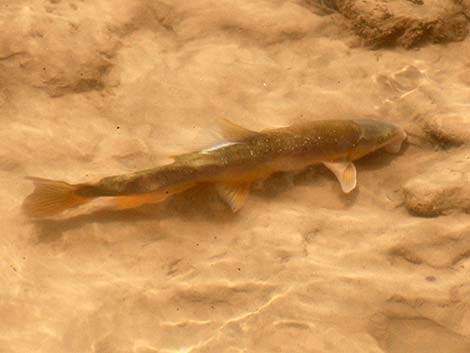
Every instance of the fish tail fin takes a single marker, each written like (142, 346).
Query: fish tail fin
(51, 197)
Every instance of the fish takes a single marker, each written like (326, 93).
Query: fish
(233, 165)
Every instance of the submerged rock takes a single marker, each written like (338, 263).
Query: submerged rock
(451, 128)
(405, 23)
(442, 189)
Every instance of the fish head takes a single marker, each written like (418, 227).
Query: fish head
(376, 134)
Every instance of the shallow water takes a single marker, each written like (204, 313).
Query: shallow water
(91, 89)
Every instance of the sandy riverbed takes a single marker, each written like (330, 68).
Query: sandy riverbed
(95, 88)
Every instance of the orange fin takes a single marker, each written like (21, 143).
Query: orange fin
(134, 201)
(51, 197)
(345, 173)
(234, 195)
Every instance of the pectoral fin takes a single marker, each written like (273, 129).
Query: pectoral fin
(234, 195)
(345, 173)
(393, 148)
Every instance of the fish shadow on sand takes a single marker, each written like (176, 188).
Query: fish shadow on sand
(202, 203)
(378, 159)
(199, 203)
(283, 182)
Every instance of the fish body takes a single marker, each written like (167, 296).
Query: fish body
(235, 164)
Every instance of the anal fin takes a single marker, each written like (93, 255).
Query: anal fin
(234, 194)
(345, 172)
(134, 201)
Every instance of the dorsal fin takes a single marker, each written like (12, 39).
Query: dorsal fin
(225, 130)
(177, 158)
(233, 132)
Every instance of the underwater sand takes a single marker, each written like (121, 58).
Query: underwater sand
(95, 88)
